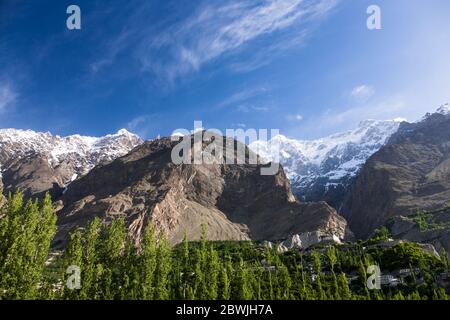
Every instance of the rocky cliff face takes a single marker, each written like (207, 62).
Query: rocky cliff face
(411, 172)
(39, 162)
(235, 202)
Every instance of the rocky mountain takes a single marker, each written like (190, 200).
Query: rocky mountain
(235, 202)
(411, 172)
(323, 169)
(38, 162)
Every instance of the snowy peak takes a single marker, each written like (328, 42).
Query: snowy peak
(367, 139)
(81, 152)
(326, 162)
(444, 109)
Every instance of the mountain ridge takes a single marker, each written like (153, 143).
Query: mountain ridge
(322, 169)
(410, 173)
(26, 156)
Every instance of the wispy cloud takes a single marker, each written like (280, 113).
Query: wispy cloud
(140, 125)
(243, 96)
(113, 48)
(216, 31)
(295, 117)
(269, 52)
(250, 107)
(362, 92)
(390, 108)
(7, 97)
(338, 120)
(256, 99)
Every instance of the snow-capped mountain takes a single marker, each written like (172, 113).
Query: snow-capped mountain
(315, 167)
(66, 157)
(444, 109)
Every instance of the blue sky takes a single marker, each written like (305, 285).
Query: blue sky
(307, 67)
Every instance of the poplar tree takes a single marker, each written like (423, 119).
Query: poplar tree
(90, 245)
(185, 269)
(241, 288)
(73, 257)
(163, 268)
(26, 232)
(212, 273)
(148, 264)
(284, 283)
(317, 266)
(225, 279)
(224, 283)
(344, 289)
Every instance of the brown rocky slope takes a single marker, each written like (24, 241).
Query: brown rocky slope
(235, 202)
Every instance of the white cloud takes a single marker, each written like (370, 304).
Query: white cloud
(141, 125)
(295, 117)
(242, 96)
(137, 122)
(264, 56)
(362, 92)
(219, 30)
(337, 119)
(257, 99)
(248, 107)
(332, 121)
(112, 49)
(7, 97)
(388, 109)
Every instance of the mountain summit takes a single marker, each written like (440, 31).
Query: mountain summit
(322, 169)
(37, 162)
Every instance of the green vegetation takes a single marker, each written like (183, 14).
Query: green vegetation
(380, 235)
(26, 231)
(432, 220)
(112, 265)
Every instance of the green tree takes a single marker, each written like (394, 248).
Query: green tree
(344, 289)
(332, 259)
(212, 273)
(241, 286)
(225, 278)
(163, 268)
(73, 257)
(284, 283)
(26, 232)
(90, 244)
(317, 266)
(148, 264)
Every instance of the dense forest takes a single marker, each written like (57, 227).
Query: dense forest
(102, 262)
